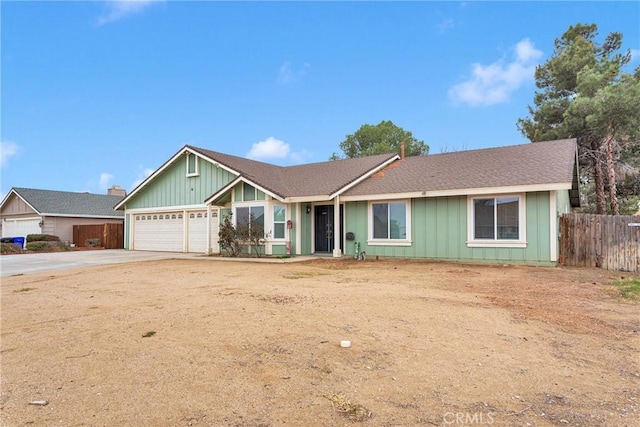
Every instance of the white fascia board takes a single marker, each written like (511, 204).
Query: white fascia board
(462, 192)
(213, 161)
(220, 192)
(159, 209)
(21, 198)
(264, 190)
(7, 196)
(81, 216)
(308, 199)
(239, 179)
(166, 164)
(391, 196)
(31, 218)
(364, 176)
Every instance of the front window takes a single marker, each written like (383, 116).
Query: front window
(389, 222)
(497, 220)
(279, 221)
(251, 217)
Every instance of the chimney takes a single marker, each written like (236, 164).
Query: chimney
(402, 151)
(116, 190)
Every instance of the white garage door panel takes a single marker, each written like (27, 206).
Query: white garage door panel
(197, 232)
(16, 228)
(215, 229)
(159, 232)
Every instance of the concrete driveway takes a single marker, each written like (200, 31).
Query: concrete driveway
(10, 265)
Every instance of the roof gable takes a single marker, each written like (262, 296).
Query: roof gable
(307, 180)
(66, 203)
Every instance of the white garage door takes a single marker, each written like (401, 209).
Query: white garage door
(197, 232)
(158, 232)
(215, 228)
(20, 227)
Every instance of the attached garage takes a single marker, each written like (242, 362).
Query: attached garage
(159, 232)
(197, 231)
(20, 227)
(173, 231)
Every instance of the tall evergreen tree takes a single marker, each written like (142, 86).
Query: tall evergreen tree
(586, 95)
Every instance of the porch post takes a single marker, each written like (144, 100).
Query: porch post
(209, 229)
(337, 232)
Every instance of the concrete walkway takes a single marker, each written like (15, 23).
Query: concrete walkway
(11, 265)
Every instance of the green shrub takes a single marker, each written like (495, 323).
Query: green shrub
(47, 246)
(92, 243)
(10, 248)
(36, 246)
(42, 238)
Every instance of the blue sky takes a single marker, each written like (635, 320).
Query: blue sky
(102, 93)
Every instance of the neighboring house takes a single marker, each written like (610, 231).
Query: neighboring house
(32, 211)
(496, 204)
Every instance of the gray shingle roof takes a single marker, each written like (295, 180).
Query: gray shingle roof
(540, 163)
(311, 179)
(69, 203)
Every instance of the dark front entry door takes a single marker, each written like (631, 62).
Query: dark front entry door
(324, 228)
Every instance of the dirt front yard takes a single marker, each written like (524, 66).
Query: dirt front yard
(207, 342)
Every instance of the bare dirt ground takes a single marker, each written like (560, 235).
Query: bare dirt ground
(254, 344)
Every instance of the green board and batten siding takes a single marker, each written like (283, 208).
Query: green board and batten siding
(439, 231)
(172, 187)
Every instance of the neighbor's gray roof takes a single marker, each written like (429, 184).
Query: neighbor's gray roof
(311, 179)
(550, 162)
(69, 203)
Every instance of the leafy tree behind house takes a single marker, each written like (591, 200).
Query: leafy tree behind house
(586, 95)
(385, 137)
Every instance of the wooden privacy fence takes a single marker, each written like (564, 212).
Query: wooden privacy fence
(111, 236)
(604, 241)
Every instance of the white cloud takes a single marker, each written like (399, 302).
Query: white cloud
(8, 149)
(494, 83)
(635, 54)
(270, 148)
(120, 9)
(105, 180)
(143, 173)
(287, 75)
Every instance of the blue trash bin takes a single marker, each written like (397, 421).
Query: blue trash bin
(19, 241)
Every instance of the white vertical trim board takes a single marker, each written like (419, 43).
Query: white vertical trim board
(553, 226)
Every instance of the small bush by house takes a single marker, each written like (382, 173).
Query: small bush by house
(44, 246)
(93, 243)
(42, 238)
(10, 248)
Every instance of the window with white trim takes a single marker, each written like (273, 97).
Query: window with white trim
(497, 221)
(279, 221)
(192, 165)
(390, 222)
(253, 216)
